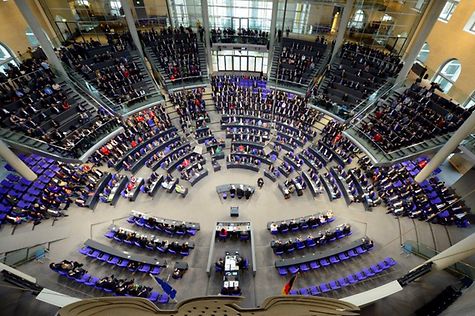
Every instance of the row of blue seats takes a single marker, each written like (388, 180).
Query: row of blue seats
(314, 265)
(91, 281)
(119, 262)
(346, 281)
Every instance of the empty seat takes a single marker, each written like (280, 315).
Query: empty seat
(334, 285)
(314, 290)
(324, 288)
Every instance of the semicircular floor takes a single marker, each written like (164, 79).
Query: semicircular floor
(203, 205)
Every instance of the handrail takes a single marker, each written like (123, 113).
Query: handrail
(384, 90)
(81, 81)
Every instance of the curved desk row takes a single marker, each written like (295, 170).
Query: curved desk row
(329, 189)
(336, 157)
(197, 177)
(344, 189)
(98, 248)
(285, 146)
(237, 165)
(310, 163)
(227, 187)
(93, 198)
(270, 175)
(141, 162)
(155, 185)
(114, 194)
(132, 195)
(297, 140)
(157, 163)
(319, 155)
(363, 243)
(361, 190)
(314, 188)
(281, 247)
(118, 165)
(243, 125)
(251, 115)
(292, 162)
(153, 243)
(175, 163)
(204, 139)
(244, 143)
(284, 171)
(140, 219)
(304, 222)
(263, 159)
(295, 129)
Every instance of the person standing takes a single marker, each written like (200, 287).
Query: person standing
(260, 183)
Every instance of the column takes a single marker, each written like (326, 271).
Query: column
(428, 21)
(205, 15)
(344, 19)
(170, 17)
(131, 24)
(16, 162)
(456, 253)
(41, 36)
(272, 33)
(466, 129)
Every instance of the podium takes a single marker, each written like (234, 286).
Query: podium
(234, 211)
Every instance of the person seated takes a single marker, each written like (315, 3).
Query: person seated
(106, 282)
(248, 193)
(236, 290)
(220, 264)
(123, 287)
(240, 192)
(76, 273)
(178, 273)
(232, 190)
(133, 265)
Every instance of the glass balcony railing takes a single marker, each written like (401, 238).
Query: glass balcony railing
(426, 252)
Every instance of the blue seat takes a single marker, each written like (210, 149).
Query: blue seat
(123, 263)
(145, 268)
(361, 276)
(84, 278)
(360, 250)
(282, 271)
(334, 259)
(334, 285)
(153, 296)
(314, 265)
(352, 253)
(383, 265)
(324, 263)
(163, 299)
(155, 270)
(294, 292)
(343, 282)
(304, 267)
(94, 254)
(293, 269)
(310, 243)
(104, 257)
(368, 272)
(375, 269)
(390, 261)
(110, 234)
(92, 281)
(314, 290)
(343, 257)
(324, 288)
(300, 245)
